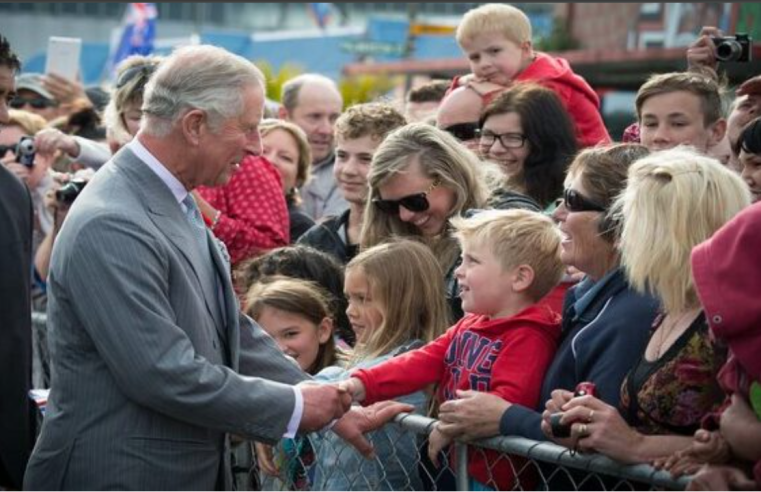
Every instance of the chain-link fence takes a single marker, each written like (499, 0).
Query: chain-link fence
(322, 461)
(402, 463)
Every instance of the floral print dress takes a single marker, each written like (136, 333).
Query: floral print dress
(672, 394)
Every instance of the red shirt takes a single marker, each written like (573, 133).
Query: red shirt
(254, 213)
(505, 356)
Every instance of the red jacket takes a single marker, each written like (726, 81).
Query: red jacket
(578, 97)
(505, 356)
(727, 276)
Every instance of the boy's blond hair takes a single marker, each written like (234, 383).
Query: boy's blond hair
(517, 237)
(495, 18)
(374, 119)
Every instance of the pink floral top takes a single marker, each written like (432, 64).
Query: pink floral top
(672, 395)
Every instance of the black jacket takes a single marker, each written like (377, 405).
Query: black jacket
(329, 236)
(16, 409)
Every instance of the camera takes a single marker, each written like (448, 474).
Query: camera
(25, 151)
(564, 430)
(70, 191)
(733, 48)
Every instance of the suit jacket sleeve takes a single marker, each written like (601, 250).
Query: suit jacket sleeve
(119, 274)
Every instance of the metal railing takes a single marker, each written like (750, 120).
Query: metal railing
(509, 463)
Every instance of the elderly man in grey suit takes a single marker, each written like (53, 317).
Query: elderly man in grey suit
(152, 363)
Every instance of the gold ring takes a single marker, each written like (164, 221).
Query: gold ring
(591, 416)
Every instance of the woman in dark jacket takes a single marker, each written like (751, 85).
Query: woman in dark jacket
(605, 322)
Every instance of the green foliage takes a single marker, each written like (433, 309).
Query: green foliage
(355, 90)
(364, 88)
(560, 39)
(275, 80)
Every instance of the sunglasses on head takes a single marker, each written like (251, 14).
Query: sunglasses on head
(143, 71)
(414, 203)
(35, 102)
(576, 202)
(463, 131)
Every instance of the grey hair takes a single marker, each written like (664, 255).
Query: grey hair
(289, 96)
(197, 77)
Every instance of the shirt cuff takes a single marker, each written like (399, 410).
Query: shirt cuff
(298, 411)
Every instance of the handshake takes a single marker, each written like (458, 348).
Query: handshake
(331, 404)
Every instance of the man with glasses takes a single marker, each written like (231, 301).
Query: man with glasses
(458, 115)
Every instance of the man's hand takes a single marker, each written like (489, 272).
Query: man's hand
(355, 388)
(323, 403)
(65, 91)
(437, 441)
(473, 415)
(752, 86)
(360, 420)
(49, 140)
(701, 54)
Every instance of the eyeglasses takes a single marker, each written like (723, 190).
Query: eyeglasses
(463, 131)
(576, 202)
(507, 140)
(35, 102)
(144, 71)
(414, 203)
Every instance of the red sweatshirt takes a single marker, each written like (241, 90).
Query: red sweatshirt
(578, 97)
(505, 356)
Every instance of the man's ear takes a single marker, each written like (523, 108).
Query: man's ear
(523, 278)
(717, 132)
(325, 330)
(194, 123)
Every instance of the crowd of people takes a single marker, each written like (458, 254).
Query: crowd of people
(211, 266)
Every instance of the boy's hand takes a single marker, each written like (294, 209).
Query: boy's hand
(355, 388)
(437, 441)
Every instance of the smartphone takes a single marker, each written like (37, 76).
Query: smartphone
(63, 57)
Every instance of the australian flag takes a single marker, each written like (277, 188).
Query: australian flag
(321, 13)
(138, 33)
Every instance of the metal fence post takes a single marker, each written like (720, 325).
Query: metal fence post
(461, 470)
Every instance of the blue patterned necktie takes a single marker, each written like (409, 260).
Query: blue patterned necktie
(193, 215)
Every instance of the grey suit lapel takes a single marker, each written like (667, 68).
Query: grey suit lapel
(169, 218)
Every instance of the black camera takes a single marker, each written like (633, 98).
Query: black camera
(25, 151)
(733, 48)
(564, 430)
(70, 191)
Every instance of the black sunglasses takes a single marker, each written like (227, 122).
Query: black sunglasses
(414, 203)
(143, 71)
(35, 102)
(576, 202)
(5, 148)
(463, 131)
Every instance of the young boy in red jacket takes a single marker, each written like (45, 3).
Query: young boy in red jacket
(504, 344)
(496, 38)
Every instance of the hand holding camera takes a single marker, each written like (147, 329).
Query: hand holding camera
(563, 430)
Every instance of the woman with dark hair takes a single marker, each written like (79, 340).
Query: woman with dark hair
(750, 157)
(529, 134)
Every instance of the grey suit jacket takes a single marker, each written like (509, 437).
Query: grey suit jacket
(146, 378)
